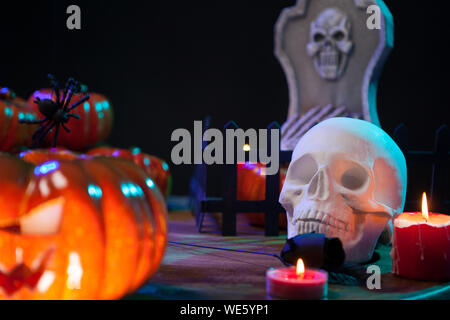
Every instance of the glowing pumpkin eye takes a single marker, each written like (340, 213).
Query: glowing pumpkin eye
(44, 219)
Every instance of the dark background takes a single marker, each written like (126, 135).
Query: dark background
(167, 63)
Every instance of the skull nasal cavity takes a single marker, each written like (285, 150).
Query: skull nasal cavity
(318, 188)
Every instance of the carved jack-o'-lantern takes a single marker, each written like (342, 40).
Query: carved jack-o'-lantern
(77, 227)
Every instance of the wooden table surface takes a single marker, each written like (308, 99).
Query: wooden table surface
(189, 273)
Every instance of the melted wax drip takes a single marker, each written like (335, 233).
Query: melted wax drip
(422, 257)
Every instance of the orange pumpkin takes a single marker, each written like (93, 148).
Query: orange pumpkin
(93, 127)
(155, 167)
(77, 227)
(12, 109)
(251, 185)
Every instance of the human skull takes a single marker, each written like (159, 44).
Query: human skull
(330, 43)
(347, 179)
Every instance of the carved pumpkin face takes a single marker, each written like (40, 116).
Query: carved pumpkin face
(77, 227)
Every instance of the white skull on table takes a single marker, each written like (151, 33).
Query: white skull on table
(330, 43)
(347, 179)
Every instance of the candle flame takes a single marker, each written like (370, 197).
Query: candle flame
(425, 213)
(300, 267)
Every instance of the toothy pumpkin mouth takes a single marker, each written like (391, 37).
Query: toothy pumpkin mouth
(24, 276)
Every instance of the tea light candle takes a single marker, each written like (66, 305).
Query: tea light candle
(297, 283)
(421, 245)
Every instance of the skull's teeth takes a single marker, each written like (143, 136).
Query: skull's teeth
(309, 227)
(316, 227)
(317, 221)
(328, 60)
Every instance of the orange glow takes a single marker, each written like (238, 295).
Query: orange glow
(425, 207)
(300, 268)
(81, 249)
(74, 272)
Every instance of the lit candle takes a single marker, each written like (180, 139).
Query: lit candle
(421, 245)
(297, 283)
(246, 148)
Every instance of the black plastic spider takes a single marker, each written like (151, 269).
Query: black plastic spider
(56, 113)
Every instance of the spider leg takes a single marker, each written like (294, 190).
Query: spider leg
(65, 128)
(76, 116)
(42, 136)
(39, 130)
(55, 87)
(84, 99)
(55, 138)
(72, 91)
(33, 121)
(66, 90)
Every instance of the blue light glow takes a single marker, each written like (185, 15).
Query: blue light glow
(95, 191)
(98, 106)
(250, 166)
(106, 105)
(132, 190)
(46, 168)
(125, 190)
(165, 166)
(87, 107)
(150, 183)
(136, 151)
(8, 112)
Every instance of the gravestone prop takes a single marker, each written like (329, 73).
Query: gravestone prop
(332, 61)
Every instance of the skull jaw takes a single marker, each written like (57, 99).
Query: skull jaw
(358, 232)
(361, 249)
(330, 64)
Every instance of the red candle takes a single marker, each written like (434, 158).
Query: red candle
(297, 283)
(421, 245)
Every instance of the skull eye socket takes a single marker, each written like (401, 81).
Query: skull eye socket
(354, 178)
(338, 35)
(305, 169)
(319, 37)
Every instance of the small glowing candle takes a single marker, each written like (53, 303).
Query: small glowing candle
(297, 283)
(300, 269)
(425, 212)
(421, 245)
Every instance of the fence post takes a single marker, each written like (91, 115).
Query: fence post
(198, 187)
(401, 138)
(439, 181)
(229, 193)
(272, 191)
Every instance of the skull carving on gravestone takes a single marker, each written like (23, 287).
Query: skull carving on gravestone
(347, 179)
(330, 43)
